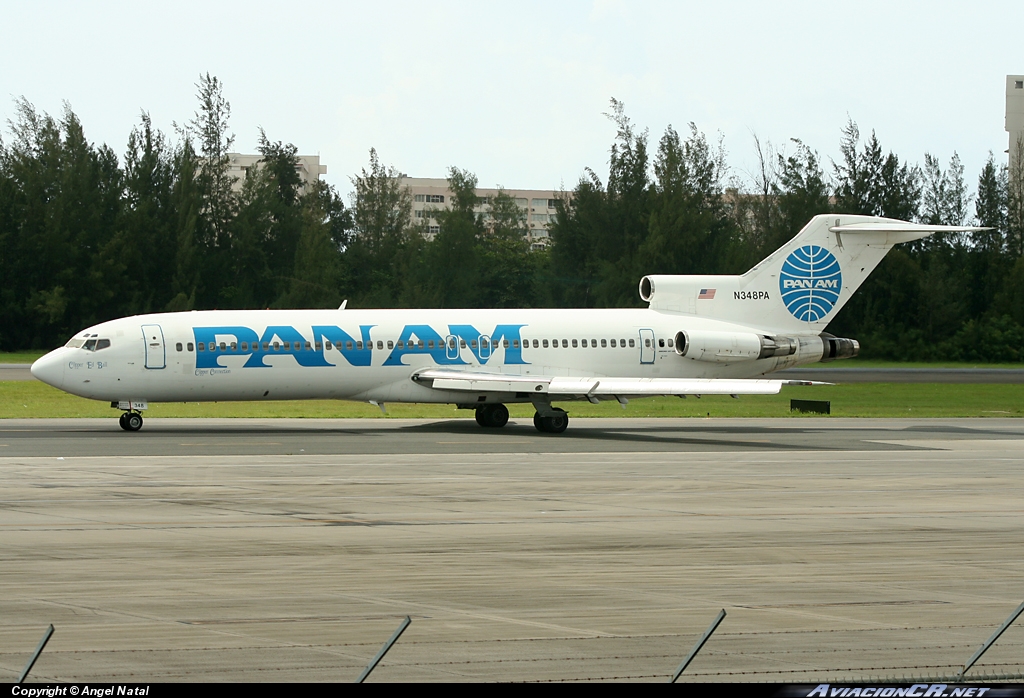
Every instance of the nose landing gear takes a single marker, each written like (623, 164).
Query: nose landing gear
(130, 421)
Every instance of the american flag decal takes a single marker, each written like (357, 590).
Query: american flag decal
(706, 294)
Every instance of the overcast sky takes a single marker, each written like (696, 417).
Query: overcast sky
(515, 91)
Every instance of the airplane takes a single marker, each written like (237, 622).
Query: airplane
(699, 335)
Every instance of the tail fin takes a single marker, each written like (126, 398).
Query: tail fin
(801, 286)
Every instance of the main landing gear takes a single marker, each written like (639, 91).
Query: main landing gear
(554, 422)
(494, 416)
(130, 421)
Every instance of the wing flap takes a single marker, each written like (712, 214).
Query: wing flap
(594, 386)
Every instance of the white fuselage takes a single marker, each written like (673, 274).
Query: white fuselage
(371, 355)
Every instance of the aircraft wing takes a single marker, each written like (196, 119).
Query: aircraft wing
(592, 387)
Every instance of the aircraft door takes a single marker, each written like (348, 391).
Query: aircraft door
(156, 354)
(485, 347)
(647, 346)
(452, 347)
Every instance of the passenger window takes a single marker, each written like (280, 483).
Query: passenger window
(318, 346)
(565, 343)
(266, 346)
(661, 343)
(380, 344)
(451, 343)
(593, 343)
(462, 343)
(277, 346)
(212, 346)
(359, 344)
(223, 346)
(420, 344)
(391, 345)
(177, 346)
(584, 344)
(613, 344)
(670, 344)
(473, 344)
(515, 343)
(189, 345)
(245, 346)
(401, 344)
(430, 344)
(545, 343)
(535, 343)
(308, 347)
(632, 343)
(234, 346)
(574, 344)
(348, 345)
(327, 344)
(604, 342)
(202, 347)
(622, 343)
(647, 342)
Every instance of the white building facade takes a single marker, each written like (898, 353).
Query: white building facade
(1014, 114)
(539, 206)
(308, 167)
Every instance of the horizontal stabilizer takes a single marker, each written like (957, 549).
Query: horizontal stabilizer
(903, 227)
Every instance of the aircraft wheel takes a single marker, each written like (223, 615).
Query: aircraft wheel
(558, 422)
(493, 416)
(552, 424)
(133, 421)
(499, 416)
(121, 421)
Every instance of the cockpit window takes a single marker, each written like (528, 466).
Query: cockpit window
(74, 343)
(92, 344)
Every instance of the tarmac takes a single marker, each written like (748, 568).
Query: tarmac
(290, 550)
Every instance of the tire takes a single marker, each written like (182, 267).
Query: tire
(558, 422)
(121, 421)
(552, 424)
(492, 416)
(499, 416)
(133, 422)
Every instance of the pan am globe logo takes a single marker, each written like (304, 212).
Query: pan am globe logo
(810, 282)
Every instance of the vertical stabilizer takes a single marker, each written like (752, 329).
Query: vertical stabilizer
(801, 286)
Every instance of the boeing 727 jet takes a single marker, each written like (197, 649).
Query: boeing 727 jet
(700, 335)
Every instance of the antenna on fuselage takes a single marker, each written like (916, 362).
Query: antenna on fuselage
(343, 304)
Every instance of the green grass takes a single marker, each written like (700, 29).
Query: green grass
(31, 399)
(19, 357)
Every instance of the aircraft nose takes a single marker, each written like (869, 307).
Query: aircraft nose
(50, 368)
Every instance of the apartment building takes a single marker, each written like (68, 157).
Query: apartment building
(308, 167)
(1014, 114)
(432, 194)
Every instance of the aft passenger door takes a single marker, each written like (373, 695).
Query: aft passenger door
(156, 354)
(647, 346)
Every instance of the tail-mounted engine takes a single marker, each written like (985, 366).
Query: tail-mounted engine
(838, 348)
(724, 347)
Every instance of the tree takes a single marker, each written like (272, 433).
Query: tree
(381, 209)
(210, 126)
(507, 268)
(453, 257)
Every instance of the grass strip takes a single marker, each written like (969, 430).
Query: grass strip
(32, 399)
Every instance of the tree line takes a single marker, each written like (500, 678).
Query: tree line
(86, 236)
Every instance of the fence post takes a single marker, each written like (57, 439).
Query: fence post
(988, 643)
(35, 655)
(696, 648)
(384, 650)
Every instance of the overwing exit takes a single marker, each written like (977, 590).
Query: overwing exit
(699, 335)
